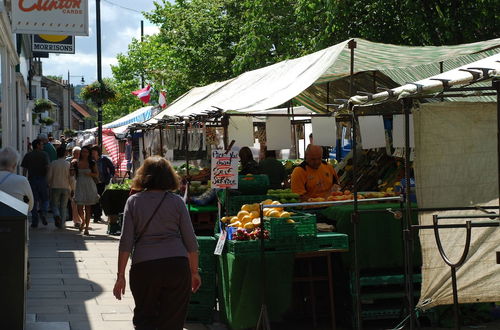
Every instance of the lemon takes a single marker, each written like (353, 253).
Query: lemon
(246, 207)
(249, 226)
(241, 214)
(254, 214)
(285, 215)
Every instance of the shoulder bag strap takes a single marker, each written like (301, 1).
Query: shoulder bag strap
(138, 237)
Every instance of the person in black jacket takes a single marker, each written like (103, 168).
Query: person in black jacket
(106, 170)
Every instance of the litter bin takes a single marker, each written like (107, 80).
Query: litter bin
(13, 272)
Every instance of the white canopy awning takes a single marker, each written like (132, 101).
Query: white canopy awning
(271, 86)
(485, 68)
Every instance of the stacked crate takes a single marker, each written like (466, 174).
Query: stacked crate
(202, 303)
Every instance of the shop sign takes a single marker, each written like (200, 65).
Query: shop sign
(47, 43)
(61, 17)
(225, 169)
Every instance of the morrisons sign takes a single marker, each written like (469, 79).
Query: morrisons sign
(44, 43)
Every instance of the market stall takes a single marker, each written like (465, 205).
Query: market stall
(445, 199)
(234, 101)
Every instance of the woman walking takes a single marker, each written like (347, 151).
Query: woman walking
(158, 229)
(85, 190)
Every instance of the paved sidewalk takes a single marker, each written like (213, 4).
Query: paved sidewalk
(72, 279)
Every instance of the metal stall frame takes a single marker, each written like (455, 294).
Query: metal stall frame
(408, 227)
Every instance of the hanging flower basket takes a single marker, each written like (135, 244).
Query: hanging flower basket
(42, 105)
(47, 121)
(69, 133)
(98, 93)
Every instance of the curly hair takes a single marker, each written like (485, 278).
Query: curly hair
(156, 173)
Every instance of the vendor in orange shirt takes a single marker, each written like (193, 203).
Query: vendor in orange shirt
(314, 177)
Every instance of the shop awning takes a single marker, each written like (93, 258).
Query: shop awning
(138, 116)
(271, 86)
(465, 74)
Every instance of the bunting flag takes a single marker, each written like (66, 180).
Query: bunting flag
(162, 100)
(143, 94)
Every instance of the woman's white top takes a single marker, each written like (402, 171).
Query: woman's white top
(17, 186)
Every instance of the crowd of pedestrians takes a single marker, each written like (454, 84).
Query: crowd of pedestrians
(68, 185)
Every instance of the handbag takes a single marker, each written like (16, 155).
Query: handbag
(138, 237)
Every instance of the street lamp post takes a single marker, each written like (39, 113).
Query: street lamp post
(69, 96)
(99, 70)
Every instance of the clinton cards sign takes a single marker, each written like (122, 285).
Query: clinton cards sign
(61, 17)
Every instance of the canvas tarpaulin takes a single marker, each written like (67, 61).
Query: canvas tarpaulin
(271, 86)
(455, 166)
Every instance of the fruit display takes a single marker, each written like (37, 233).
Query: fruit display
(248, 218)
(125, 185)
(197, 188)
(284, 195)
(244, 235)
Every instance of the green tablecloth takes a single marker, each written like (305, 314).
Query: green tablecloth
(380, 244)
(202, 208)
(240, 292)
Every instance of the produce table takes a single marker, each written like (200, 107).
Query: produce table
(380, 244)
(239, 287)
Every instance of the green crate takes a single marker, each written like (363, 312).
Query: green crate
(203, 297)
(253, 185)
(306, 244)
(207, 279)
(330, 241)
(235, 202)
(206, 243)
(304, 226)
(206, 261)
(200, 313)
(253, 247)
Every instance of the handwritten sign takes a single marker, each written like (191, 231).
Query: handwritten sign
(225, 169)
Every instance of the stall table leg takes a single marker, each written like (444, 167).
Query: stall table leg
(311, 278)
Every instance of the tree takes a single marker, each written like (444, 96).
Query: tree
(202, 41)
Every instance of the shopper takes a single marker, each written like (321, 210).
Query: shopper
(274, 170)
(73, 209)
(248, 164)
(85, 190)
(157, 227)
(106, 172)
(47, 146)
(35, 164)
(61, 183)
(11, 183)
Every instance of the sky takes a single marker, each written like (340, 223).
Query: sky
(118, 26)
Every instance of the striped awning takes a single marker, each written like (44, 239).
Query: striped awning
(111, 145)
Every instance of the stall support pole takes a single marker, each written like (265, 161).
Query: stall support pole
(496, 85)
(355, 222)
(186, 147)
(263, 321)
(161, 141)
(407, 231)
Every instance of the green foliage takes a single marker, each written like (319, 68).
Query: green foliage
(42, 105)
(124, 101)
(56, 78)
(98, 93)
(69, 132)
(203, 41)
(46, 121)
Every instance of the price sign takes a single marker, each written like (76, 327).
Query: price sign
(220, 243)
(225, 169)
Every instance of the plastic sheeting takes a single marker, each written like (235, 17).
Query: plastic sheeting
(456, 165)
